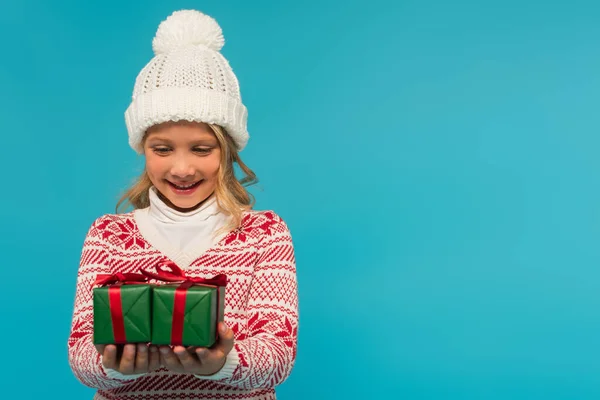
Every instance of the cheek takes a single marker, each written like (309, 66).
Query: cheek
(211, 167)
(154, 165)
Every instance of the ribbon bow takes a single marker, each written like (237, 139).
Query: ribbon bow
(168, 271)
(120, 278)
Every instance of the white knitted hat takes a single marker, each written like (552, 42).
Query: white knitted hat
(188, 79)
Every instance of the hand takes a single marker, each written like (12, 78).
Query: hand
(199, 360)
(129, 360)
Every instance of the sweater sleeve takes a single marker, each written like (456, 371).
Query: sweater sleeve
(264, 358)
(84, 359)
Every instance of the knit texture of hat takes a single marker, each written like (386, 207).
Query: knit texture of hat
(188, 79)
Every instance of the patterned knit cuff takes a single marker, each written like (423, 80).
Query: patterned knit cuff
(226, 372)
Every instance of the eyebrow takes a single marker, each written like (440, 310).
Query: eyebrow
(208, 140)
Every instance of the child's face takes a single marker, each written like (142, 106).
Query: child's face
(182, 161)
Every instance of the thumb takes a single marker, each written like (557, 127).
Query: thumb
(225, 338)
(223, 328)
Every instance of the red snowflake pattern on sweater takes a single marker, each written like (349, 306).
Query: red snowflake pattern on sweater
(255, 327)
(260, 306)
(122, 233)
(253, 224)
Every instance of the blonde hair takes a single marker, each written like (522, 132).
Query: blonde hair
(232, 197)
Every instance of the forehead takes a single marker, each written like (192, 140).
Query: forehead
(183, 130)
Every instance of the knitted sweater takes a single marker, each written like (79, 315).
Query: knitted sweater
(261, 306)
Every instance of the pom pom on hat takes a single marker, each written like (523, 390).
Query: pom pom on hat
(187, 28)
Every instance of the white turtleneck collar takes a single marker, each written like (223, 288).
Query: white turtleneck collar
(181, 236)
(161, 212)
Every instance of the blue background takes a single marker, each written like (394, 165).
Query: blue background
(437, 163)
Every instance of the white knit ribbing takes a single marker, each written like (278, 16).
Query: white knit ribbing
(175, 104)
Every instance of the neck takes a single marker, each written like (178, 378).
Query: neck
(163, 210)
(181, 209)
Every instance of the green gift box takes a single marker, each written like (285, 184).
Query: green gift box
(122, 309)
(187, 321)
(186, 313)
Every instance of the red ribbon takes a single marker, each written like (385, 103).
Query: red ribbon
(116, 314)
(114, 298)
(168, 271)
(120, 278)
(172, 273)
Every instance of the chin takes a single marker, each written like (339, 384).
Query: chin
(187, 204)
(190, 204)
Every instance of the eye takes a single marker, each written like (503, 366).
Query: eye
(162, 150)
(202, 150)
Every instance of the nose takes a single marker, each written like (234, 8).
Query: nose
(182, 167)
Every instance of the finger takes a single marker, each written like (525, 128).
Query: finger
(100, 348)
(141, 359)
(204, 355)
(109, 357)
(214, 359)
(154, 361)
(225, 342)
(193, 350)
(186, 358)
(169, 359)
(127, 364)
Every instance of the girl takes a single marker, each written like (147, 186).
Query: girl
(187, 119)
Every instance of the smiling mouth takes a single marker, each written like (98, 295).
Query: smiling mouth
(186, 187)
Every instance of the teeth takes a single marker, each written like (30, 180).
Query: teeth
(184, 187)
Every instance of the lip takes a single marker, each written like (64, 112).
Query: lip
(184, 192)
